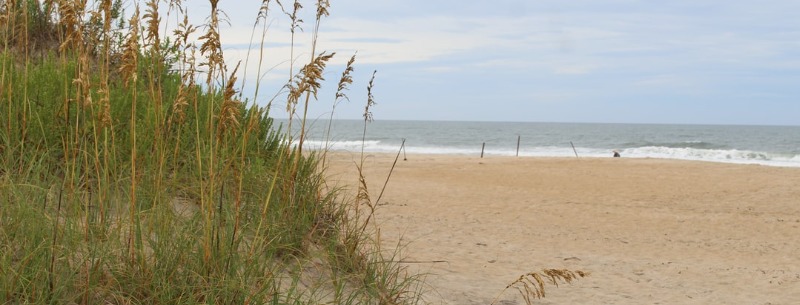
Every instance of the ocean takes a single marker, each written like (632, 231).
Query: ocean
(765, 145)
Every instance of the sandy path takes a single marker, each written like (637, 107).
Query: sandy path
(650, 231)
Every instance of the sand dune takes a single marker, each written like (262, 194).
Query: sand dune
(649, 231)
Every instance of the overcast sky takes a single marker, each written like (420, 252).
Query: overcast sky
(615, 61)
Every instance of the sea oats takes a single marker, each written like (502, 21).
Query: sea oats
(531, 285)
(152, 20)
(322, 8)
(229, 112)
(345, 80)
(370, 99)
(212, 45)
(70, 12)
(147, 187)
(308, 80)
(130, 53)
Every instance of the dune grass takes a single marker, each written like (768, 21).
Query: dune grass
(129, 177)
(531, 285)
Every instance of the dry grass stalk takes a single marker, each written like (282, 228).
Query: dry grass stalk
(322, 8)
(130, 55)
(531, 285)
(104, 116)
(296, 22)
(105, 7)
(263, 13)
(229, 112)
(370, 99)
(344, 81)
(307, 81)
(129, 70)
(178, 116)
(5, 12)
(71, 12)
(367, 112)
(183, 31)
(152, 20)
(82, 82)
(187, 85)
(110, 10)
(212, 45)
(362, 196)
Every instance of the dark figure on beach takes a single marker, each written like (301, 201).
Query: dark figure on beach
(616, 154)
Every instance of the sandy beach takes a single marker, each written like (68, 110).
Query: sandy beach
(649, 231)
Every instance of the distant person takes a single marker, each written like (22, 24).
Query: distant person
(616, 154)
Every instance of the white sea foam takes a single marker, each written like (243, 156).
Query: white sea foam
(767, 145)
(374, 146)
(714, 155)
(659, 152)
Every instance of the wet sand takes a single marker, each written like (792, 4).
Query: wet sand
(650, 231)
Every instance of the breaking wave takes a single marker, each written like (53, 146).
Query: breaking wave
(696, 151)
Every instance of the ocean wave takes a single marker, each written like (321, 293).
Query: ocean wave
(699, 144)
(341, 145)
(715, 155)
(650, 151)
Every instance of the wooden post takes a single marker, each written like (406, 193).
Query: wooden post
(404, 149)
(518, 139)
(574, 150)
(482, 149)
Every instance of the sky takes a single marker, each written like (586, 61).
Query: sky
(607, 61)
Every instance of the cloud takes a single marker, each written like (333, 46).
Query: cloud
(439, 69)
(581, 50)
(574, 69)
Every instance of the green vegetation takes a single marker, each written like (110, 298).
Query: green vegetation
(127, 177)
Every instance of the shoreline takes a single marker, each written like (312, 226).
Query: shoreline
(544, 157)
(648, 230)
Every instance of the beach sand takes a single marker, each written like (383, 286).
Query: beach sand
(649, 231)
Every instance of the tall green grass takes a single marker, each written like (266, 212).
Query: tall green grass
(127, 177)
